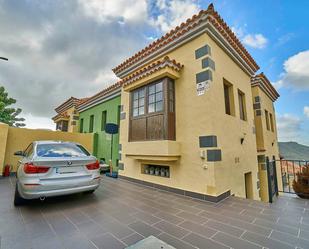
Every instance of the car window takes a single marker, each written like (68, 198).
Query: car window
(61, 150)
(29, 151)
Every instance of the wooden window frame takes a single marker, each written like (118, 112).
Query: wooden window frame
(167, 117)
(228, 98)
(271, 119)
(242, 105)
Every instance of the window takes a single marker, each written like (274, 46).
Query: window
(81, 126)
(228, 98)
(267, 120)
(103, 121)
(242, 105)
(153, 111)
(91, 121)
(271, 122)
(61, 150)
(139, 102)
(155, 97)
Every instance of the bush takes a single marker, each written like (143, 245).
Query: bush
(301, 185)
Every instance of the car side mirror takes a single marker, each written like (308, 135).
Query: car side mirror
(19, 153)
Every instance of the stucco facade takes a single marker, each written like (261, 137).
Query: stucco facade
(102, 141)
(199, 116)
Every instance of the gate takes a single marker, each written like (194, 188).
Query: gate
(272, 179)
(290, 170)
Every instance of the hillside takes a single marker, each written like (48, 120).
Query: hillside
(294, 151)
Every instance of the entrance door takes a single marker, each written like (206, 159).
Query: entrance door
(248, 185)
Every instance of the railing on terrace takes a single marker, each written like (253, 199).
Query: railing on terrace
(289, 173)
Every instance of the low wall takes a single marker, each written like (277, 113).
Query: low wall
(14, 139)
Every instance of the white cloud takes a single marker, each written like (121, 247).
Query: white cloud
(306, 111)
(35, 122)
(104, 10)
(174, 12)
(255, 40)
(289, 127)
(285, 39)
(296, 72)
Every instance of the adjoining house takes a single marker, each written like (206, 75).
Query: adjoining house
(194, 117)
(94, 113)
(67, 115)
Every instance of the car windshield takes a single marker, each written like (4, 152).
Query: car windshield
(61, 150)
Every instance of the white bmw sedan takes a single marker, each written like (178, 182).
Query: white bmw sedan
(53, 168)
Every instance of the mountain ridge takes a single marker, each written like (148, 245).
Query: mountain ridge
(293, 151)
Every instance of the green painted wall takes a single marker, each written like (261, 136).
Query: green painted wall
(102, 146)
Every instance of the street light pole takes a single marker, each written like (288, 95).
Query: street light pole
(3, 58)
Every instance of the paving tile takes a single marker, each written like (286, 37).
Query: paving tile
(264, 241)
(144, 229)
(304, 234)
(289, 239)
(37, 229)
(192, 217)
(169, 217)
(77, 241)
(47, 242)
(197, 228)
(224, 228)
(63, 227)
(90, 229)
(107, 241)
(132, 239)
(171, 229)
(278, 227)
(250, 227)
(202, 242)
(77, 217)
(177, 243)
(117, 229)
(147, 217)
(234, 242)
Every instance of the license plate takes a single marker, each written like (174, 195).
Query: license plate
(67, 170)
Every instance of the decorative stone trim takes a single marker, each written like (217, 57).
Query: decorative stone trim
(178, 191)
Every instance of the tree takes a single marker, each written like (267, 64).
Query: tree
(8, 115)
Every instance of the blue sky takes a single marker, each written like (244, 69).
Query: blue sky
(68, 48)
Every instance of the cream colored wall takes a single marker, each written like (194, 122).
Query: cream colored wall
(4, 129)
(204, 115)
(70, 112)
(264, 140)
(20, 138)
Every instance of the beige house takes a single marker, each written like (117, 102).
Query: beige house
(67, 115)
(194, 118)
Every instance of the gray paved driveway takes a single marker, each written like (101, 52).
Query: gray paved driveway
(121, 213)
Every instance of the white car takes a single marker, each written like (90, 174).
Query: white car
(53, 168)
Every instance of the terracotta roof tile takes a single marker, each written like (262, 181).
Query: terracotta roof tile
(105, 91)
(183, 28)
(166, 62)
(61, 115)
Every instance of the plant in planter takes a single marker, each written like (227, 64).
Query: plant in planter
(301, 185)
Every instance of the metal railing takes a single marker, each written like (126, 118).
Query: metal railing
(289, 173)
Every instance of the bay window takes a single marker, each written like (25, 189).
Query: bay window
(153, 111)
